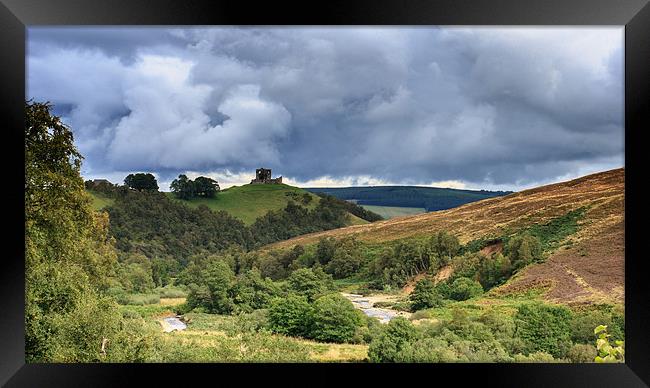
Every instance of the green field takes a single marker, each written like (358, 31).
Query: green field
(248, 202)
(393, 211)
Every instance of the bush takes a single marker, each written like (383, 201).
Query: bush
(465, 288)
(142, 299)
(545, 328)
(582, 326)
(334, 319)
(535, 357)
(582, 353)
(290, 315)
(256, 321)
(386, 346)
(424, 296)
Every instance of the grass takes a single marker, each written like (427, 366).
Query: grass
(100, 200)
(394, 211)
(218, 338)
(248, 202)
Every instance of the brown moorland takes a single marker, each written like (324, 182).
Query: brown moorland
(589, 269)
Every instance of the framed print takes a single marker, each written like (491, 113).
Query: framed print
(227, 190)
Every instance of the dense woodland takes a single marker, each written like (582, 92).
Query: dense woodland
(81, 265)
(429, 198)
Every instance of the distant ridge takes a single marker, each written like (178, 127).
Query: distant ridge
(429, 198)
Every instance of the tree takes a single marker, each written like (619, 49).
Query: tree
(141, 182)
(424, 295)
(310, 283)
(465, 288)
(523, 250)
(445, 245)
(290, 315)
(545, 328)
(252, 292)
(219, 280)
(183, 187)
(325, 250)
(334, 319)
(69, 257)
(494, 270)
(206, 187)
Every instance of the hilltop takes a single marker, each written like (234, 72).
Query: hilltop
(248, 202)
(588, 265)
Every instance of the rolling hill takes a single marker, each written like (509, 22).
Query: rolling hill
(586, 266)
(247, 202)
(429, 198)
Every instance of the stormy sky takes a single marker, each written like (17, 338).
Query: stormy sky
(483, 108)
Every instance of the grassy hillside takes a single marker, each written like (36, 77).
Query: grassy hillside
(100, 200)
(248, 202)
(586, 266)
(429, 198)
(389, 212)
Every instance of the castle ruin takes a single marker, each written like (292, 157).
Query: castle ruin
(263, 176)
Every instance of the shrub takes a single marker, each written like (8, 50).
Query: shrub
(535, 357)
(255, 321)
(545, 328)
(465, 288)
(424, 296)
(582, 353)
(582, 326)
(422, 314)
(386, 346)
(607, 352)
(290, 315)
(334, 319)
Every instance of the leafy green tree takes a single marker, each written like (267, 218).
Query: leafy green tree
(183, 187)
(445, 245)
(325, 250)
(310, 282)
(334, 319)
(387, 345)
(219, 279)
(141, 182)
(494, 270)
(465, 288)
(206, 187)
(290, 315)
(524, 250)
(424, 296)
(545, 328)
(69, 257)
(251, 292)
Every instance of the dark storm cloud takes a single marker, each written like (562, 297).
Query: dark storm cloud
(485, 107)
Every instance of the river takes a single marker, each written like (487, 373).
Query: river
(170, 324)
(366, 304)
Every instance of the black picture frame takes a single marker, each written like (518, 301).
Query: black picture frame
(16, 15)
